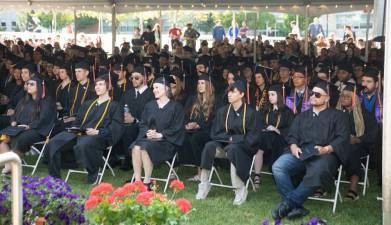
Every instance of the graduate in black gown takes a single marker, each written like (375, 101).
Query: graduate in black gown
(161, 131)
(33, 119)
(12, 94)
(276, 119)
(260, 97)
(199, 113)
(285, 77)
(121, 83)
(81, 92)
(178, 93)
(363, 132)
(234, 135)
(298, 98)
(322, 131)
(100, 125)
(63, 90)
(133, 103)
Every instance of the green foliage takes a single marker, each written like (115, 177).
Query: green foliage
(85, 20)
(62, 19)
(204, 22)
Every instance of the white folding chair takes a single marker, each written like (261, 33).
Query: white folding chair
(35, 150)
(102, 170)
(221, 184)
(171, 171)
(337, 194)
(365, 182)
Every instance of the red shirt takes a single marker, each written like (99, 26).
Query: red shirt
(175, 33)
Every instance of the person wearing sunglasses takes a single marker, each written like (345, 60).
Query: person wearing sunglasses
(363, 132)
(34, 117)
(324, 132)
(133, 102)
(298, 100)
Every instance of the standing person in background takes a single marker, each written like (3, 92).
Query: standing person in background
(233, 32)
(295, 29)
(148, 36)
(158, 35)
(218, 32)
(349, 33)
(191, 35)
(315, 28)
(243, 31)
(175, 34)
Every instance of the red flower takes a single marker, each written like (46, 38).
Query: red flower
(140, 186)
(103, 188)
(92, 202)
(120, 192)
(145, 197)
(183, 204)
(112, 199)
(177, 185)
(161, 197)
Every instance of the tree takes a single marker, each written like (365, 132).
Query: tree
(204, 22)
(62, 19)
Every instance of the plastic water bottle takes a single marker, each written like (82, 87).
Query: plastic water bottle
(126, 108)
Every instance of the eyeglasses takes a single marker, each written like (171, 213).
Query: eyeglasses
(30, 84)
(317, 94)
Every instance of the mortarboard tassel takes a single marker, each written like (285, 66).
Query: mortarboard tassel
(184, 76)
(94, 69)
(43, 89)
(378, 96)
(306, 89)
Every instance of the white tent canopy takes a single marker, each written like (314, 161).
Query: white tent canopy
(317, 7)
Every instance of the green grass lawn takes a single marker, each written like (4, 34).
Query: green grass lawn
(218, 209)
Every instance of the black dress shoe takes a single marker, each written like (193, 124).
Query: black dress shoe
(281, 211)
(297, 213)
(92, 178)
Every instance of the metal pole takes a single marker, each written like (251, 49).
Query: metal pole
(307, 12)
(141, 22)
(75, 26)
(113, 28)
(327, 25)
(255, 39)
(17, 197)
(100, 23)
(54, 22)
(234, 25)
(386, 188)
(366, 35)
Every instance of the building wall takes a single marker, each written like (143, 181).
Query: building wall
(8, 20)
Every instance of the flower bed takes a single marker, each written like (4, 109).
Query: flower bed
(133, 204)
(45, 197)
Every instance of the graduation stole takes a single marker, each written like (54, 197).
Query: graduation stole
(278, 119)
(103, 114)
(261, 101)
(123, 87)
(77, 94)
(303, 101)
(243, 121)
(59, 86)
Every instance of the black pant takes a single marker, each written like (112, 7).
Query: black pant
(353, 166)
(23, 141)
(122, 148)
(192, 148)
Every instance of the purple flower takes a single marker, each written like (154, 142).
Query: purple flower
(265, 222)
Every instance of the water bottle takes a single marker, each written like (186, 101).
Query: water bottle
(126, 108)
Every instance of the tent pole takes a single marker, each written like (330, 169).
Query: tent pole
(234, 25)
(141, 22)
(75, 25)
(366, 35)
(54, 22)
(255, 38)
(307, 11)
(386, 189)
(113, 28)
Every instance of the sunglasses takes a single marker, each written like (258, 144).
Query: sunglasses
(135, 78)
(30, 84)
(317, 94)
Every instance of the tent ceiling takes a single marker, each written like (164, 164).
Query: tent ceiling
(317, 7)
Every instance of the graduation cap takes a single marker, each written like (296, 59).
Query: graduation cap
(371, 72)
(323, 85)
(117, 67)
(239, 84)
(58, 63)
(205, 77)
(39, 50)
(165, 80)
(301, 69)
(188, 49)
(203, 61)
(82, 65)
(358, 62)
(40, 86)
(28, 49)
(273, 57)
(164, 55)
(177, 73)
(345, 67)
(64, 65)
(19, 65)
(265, 71)
(285, 64)
(276, 87)
(31, 67)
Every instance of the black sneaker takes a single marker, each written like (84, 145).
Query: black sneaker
(92, 178)
(281, 211)
(298, 213)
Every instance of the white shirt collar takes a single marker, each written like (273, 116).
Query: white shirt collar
(141, 89)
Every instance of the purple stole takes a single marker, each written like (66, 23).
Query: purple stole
(378, 106)
(305, 103)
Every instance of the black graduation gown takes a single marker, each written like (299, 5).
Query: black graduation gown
(368, 139)
(136, 106)
(77, 96)
(242, 148)
(62, 96)
(88, 149)
(269, 141)
(195, 139)
(119, 90)
(330, 127)
(40, 117)
(168, 121)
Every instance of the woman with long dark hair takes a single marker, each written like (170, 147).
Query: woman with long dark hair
(33, 119)
(234, 135)
(276, 119)
(199, 110)
(161, 131)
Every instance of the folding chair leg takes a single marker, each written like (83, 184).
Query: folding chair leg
(366, 181)
(170, 172)
(337, 193)
(67, 177)
(39, 158)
